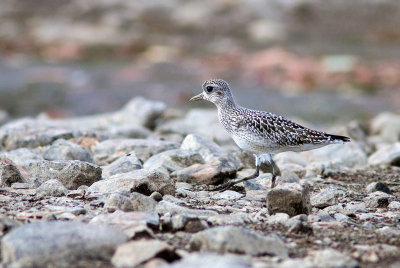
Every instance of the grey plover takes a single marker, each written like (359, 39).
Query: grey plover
(262, 133)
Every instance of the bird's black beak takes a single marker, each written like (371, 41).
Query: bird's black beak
(197, 97)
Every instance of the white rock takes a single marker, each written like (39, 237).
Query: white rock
(386, 155)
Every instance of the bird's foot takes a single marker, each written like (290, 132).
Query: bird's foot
(229, 184)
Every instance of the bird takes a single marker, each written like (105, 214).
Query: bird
(262, 133)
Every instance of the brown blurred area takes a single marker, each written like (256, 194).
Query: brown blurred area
(325, 60)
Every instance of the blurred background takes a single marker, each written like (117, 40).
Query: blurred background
(321, 60)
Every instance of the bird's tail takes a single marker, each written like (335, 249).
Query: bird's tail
(339, 139)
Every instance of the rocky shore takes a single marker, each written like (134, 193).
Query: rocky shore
(131, 189)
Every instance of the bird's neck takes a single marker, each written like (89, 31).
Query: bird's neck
(227, 104)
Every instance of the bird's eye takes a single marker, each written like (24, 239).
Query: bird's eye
(209, 88)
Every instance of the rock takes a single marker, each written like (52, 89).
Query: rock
(238, 240)
(278, 218)
(118, 201)
(71, 173)
(337, 156)
(198, 121)
(389, 232)
(395, 205)
(66, 150)
(187, 223)
(144, 112)
(30, 133)
(331, 258)
(213, 172)
(378, 199)
(143, 149)
(173, 160)
(326, 197)
(388, 155)
(134, 253)
(164, 207)
(236, 218)
(299, 224)
(132, 202)
(228, 195)
(156, 196)
(21, 158)
(9, 174)
(59, 244)
(124, 164)
(141, 202)
(209, 259)
(289, 198)
(117, 130)
(7, 224)
(51, 188)
(386, 127)
(378, 186)
(142, 180)
(205, 147)
(128, 220)
(373, 253)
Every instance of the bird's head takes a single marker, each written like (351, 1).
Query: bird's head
(216, 91)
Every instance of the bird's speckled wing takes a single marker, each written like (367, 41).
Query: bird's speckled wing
(278, 131)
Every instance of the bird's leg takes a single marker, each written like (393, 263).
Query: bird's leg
(267, 158)
(275, 171)
(229, 184)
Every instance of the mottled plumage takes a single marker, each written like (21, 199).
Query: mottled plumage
(262, 133)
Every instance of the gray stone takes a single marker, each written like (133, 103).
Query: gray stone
(205, 147)
(7, 224)
(124, 164)
(299, 224)
(378, 186)
(51, 187)
(238, 240)
(117, 131)
(331, 258)
(31, 133)
(9, 174)
(278, 218)
(118, 201)
(141, 202)
(326, 197)
(156, 196)
(378, 199)
(21, 157)
(127, 220)
(236, 218)
(199, 121)
(71, 173)
(143, 149)
(386, 127)
(173, 160)
(67, 150)
(144, 112)
(141, 180)
(164, 207)
(336, 156)
(386, 155)
(59, 244)
(134, 253)
(189, 224)
(213, 172)
(209, 259)
(395, 205)
(289, 198)
(228, 195)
